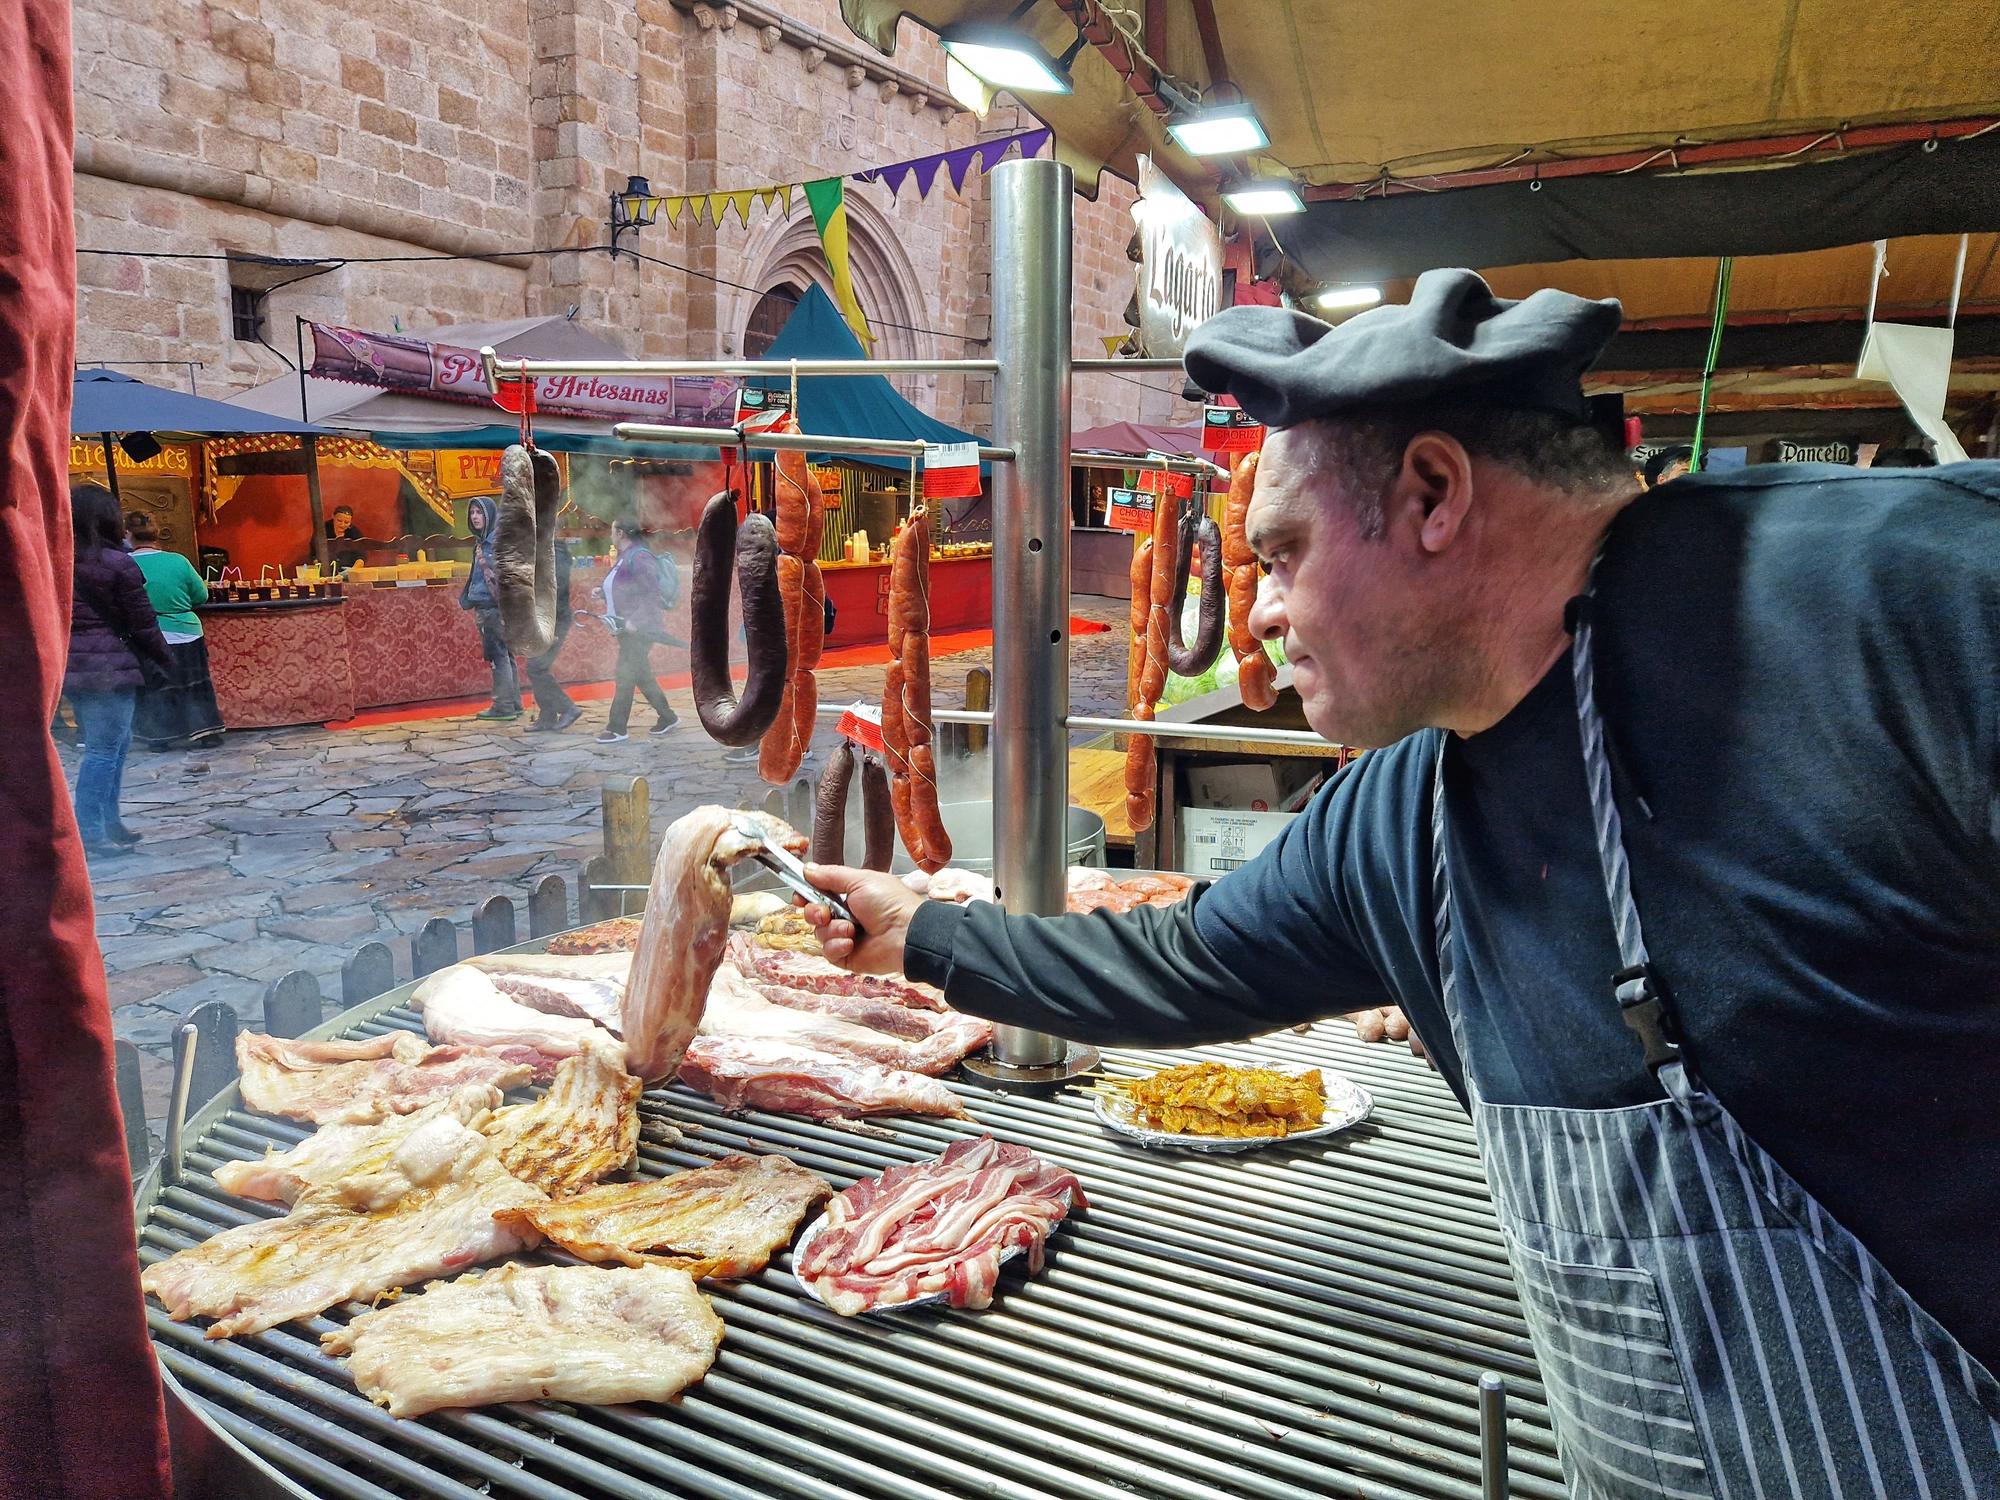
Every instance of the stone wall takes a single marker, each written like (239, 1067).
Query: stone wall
(432, 128)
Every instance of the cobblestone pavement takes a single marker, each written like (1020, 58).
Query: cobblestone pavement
(289, 848)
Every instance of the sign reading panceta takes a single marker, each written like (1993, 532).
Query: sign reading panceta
(1180, 264)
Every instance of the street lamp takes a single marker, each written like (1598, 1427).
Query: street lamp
(633, 209)
(1004, 58)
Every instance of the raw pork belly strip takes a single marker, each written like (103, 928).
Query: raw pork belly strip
(938, 1227)
(808, 971)
(723, 1220)
(751, 1073)
(257, 1276)
(685, 927)
(365, 1166)
(584, 1128)
(361, 1082)
(521, 1333)
(902, 1021)
(461, 1004)
(736, 1009)
(583, 987)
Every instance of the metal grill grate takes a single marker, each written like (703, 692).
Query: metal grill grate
(1288, 1324)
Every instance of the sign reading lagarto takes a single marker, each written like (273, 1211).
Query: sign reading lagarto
(1180, 265)
(400, 363)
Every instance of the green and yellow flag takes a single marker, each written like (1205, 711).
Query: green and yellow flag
(828, 199)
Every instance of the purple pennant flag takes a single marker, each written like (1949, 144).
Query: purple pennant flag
(893, 176)
(1033, 141)
(927, 170)
(958, 163)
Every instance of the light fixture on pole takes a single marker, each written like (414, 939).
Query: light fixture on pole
(1004, 57)
(633, 209)
(1347, 298)
(1223, 130)
(1263, 197)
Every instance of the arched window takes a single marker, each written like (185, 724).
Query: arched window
(768, 317)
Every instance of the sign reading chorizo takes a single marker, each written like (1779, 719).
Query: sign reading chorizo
(1229, 429)
(1180, 264)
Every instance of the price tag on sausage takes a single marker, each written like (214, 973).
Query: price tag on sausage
(1166, 482)
(862, 724)
(1230, 429)
(756, 408)
(1129, 510)
(951, 470)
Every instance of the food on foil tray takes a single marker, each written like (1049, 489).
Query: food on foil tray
(686, 924)
(1091, 890)
(462, 1004)
(935, 1229)
(365, 1166)
(1215, 1099)
(361, 1082)
(760, 1073)
(723, 1220)
(584, 1128)
(787, 929)
(259, 1275)
(735, 1008)
(532, 1333)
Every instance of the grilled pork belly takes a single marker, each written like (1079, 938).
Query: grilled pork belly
(361, 1082)
(365, 1166)
(585, 1127)
(752, 1073)
(461, 1004)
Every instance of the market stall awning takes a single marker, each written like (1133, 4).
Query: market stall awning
(402, 419)
(105, 401)
(1136, 438)
(1396, 98)
(848, 405)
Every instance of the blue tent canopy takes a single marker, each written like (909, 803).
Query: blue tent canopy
(847, 405)
(105, 401)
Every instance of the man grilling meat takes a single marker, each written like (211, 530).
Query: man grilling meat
(1683, 855)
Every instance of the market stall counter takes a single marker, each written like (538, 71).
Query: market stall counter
(961, 597)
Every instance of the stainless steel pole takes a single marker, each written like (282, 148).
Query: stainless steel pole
(1031, 342)
(1494, 1483)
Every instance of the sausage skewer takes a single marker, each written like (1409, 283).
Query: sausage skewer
(731, 719)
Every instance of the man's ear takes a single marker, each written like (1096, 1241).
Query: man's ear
(1432, 491)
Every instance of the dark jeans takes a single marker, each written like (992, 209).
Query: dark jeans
(551, 702)
(635, 670)
(106, 721)
(493, 645)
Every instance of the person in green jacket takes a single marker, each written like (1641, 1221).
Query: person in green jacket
(177, 707)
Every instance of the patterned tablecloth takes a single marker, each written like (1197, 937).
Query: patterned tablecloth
(283, 664)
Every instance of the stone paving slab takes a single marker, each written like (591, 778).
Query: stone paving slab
(289, 848)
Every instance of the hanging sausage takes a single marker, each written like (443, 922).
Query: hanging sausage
(524, 548)
(751, 552)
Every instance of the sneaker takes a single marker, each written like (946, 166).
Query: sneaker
(499, 713)
(612, 737)
(540, 726)
(566, 718)
(747, 756)
(665, 724)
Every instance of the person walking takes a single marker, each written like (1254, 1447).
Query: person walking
(555, 710)
(483, 600)
(636, 596)
(177, 709)
(112, 629)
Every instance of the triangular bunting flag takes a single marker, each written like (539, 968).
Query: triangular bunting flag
(1112, 342)
(675, 208)
(958, 163)
(828, 198)
(741, 203)
(927, 175)
(717, 206)
(1034, 140)
(894, 177)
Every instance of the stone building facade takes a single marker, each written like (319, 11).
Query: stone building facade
(390, 136)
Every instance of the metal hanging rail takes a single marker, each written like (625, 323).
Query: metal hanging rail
(1185, 463)
(790, 442)
(500, 371)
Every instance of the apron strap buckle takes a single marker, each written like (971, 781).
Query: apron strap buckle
(1642, 1000)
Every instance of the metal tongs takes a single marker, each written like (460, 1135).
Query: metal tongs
(785, 865)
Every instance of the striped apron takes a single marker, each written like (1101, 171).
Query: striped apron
(1704, 1328)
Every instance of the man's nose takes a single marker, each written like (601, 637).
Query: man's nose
(1267, 614)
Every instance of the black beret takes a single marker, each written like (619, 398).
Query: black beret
(1453, 338)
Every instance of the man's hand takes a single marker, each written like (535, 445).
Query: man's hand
(1388, 1024)
(883, 906)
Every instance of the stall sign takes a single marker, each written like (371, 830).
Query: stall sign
(1230, 429)
(174, 458)
(832, 487)
(464, 472)
(1129, 510)
(951, 470)
(1807, 451)
(1180, 264)
(862, 723)
(753, 405)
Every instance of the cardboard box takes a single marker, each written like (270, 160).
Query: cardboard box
(1242, 788)
(1214, 841)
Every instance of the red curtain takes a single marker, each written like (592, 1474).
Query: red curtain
(80, 1412)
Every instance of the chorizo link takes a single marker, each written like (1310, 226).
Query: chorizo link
(781, 752)
(732, 719)
(1142, 604)
(918, 817)
(1197, 530)
(1236, 512)
(792, 508)
(878, 818)
(524, 549)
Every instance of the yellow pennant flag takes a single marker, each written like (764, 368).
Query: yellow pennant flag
(675, 208)
(741, 203)
(828, 199)
(1113, 342)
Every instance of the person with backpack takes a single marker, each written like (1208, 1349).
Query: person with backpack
(636, 597)
(555, 710)
(479, 596)
(112, 630)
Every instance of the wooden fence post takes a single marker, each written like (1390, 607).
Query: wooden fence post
(493, 925)
(548, 907)
(978, 695)
(434, 948)
(628, 830)
(132, 1105)
(215, 1027)
(369, 970)
(292, 1004)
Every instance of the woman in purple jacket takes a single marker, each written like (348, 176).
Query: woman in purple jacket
(111, 627)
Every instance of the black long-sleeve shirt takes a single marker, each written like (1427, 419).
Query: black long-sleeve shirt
(1800, 668)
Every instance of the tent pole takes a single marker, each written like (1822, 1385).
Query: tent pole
(322, 554)
(1725, 270)
(111, 473)
(299, 338)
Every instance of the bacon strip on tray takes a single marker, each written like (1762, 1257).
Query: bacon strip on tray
(938, 1227)
(723, 1220)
